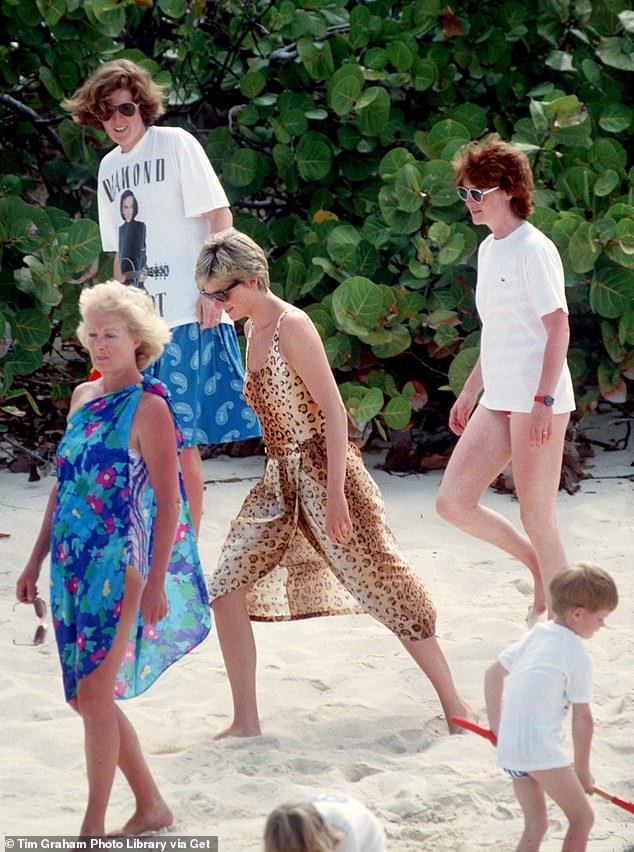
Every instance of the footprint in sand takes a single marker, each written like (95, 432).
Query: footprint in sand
(523, 586)
(358, 771)
(305, 766)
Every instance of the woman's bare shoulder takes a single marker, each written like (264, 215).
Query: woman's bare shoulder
(153, 405)
(85, 392)
(299, 339)
(294, 321)
(153, 426)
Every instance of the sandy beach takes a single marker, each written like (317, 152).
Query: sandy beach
(343, 708)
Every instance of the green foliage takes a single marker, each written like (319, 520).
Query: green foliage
(332, 125)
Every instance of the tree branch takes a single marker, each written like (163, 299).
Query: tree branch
(34, 117)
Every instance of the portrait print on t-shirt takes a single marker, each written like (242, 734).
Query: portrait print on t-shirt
(133, 245)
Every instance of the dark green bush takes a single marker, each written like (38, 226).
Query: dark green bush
(332, 125)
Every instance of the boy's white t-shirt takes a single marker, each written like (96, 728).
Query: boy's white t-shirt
(362, 830)
(174, 184)
(520, 280)
(549, 669)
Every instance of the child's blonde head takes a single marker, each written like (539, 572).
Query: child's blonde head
(299, 828)
(583, 585)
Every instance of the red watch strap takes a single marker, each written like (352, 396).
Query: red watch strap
(539, 398)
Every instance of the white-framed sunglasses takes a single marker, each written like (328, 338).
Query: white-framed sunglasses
(464, 193)
(39, 607)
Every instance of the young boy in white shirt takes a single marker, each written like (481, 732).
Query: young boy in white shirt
(549, 669)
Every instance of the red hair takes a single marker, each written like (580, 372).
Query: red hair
(492, 162)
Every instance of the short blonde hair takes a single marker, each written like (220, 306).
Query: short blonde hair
(86, 105)
(299, 827)
(583, 585)
(231, 254)
(135, 308)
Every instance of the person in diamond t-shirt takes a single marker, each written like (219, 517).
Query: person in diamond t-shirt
(179, 198)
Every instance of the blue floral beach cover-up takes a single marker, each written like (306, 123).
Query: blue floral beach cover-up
(102, 524)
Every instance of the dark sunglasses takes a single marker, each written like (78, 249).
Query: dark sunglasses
(220, 295)
(464, 193)
(40, 631)
(127, 109)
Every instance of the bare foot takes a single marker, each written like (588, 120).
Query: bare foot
(86, 834)
(539, 593)
(239, 731)
(533, 615)
(144, 822)
(464, 712)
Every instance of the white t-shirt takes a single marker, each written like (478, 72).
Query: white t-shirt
(520, 280)
(549, 669)
(361, 829)
(174, 184)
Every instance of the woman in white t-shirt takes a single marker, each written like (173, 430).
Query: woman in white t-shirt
(327, 822)
(523, 413)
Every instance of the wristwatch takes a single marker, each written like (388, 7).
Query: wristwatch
(548, 400)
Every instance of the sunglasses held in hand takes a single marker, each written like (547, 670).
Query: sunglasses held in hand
(40, 631)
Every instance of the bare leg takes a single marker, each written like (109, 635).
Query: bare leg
(533, 802)
(192, 467)
(482, 452)
(238, 650)
(428, 655)
(536, 472)
(106, 743)
(564, 787)
(151, 813)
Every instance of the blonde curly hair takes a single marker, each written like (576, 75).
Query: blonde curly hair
(135, 308)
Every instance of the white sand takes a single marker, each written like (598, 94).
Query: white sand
(343, 707)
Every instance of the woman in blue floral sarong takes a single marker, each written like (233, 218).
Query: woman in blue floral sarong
(127, 592)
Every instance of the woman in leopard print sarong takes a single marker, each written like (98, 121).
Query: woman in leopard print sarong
(311, 537)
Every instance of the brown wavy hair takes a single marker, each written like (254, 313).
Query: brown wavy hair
(493, 162)
(86, 105)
